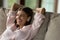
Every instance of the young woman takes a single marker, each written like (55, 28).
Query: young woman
(23, 29)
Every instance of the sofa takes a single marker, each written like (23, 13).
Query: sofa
(53, 32)
(49, 30)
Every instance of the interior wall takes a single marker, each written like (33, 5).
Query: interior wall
(1, 3)
(58, 10)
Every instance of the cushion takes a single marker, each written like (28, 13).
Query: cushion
(3, 18)
(53, 32)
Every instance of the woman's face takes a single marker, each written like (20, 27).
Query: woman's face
(21, 18)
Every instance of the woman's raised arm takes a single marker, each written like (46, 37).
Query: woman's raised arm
(12, 14)
(38, 17)
(37, 22)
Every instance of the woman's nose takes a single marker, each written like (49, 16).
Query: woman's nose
(17, 17)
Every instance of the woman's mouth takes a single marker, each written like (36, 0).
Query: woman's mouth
(20, 20)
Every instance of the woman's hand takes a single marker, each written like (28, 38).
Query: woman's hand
(15, 7)
(40, 10)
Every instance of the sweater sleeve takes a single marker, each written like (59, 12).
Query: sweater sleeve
(38, 20)
(10, 18)
(6, 34)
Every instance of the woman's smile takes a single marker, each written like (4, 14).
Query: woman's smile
(20, 21)
(21, 17)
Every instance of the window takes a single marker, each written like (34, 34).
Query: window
(49, 5)
(58, 10)
(31, 3)
(8, 3)
(11, 2)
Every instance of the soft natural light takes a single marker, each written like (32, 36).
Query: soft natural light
(48, 4)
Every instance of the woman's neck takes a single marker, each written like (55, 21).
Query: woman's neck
(20, 27)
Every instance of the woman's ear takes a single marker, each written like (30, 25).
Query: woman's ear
(28, 19)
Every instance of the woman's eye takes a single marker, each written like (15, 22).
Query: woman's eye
(22, 15)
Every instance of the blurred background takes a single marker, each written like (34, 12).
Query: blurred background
(50, 29)
(50, 5)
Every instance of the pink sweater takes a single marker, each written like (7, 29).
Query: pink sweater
(26, 33)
